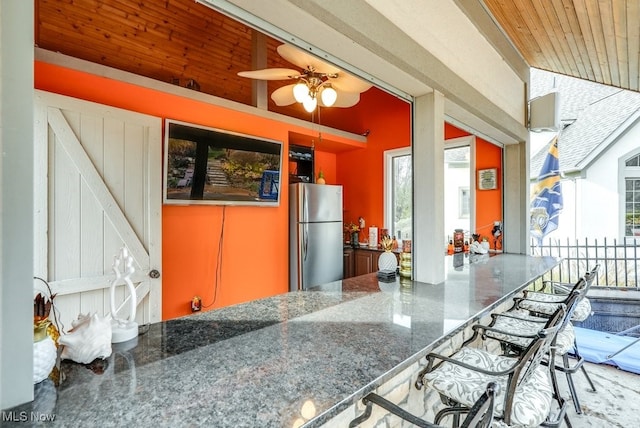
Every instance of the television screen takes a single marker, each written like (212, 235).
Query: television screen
(213, 166)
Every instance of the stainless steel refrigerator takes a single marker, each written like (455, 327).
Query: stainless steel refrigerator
(315, 235)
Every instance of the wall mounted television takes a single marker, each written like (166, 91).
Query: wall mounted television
(217, 167)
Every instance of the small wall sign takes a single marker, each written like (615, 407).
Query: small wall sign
(488, 179)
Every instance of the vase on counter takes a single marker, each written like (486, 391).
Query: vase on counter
(45, 351)
(354, 239)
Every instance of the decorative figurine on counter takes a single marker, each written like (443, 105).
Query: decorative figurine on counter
(45, 333)
(90, 338)
(497, 235)
(123, 329)
(387, 262)
(476, 247)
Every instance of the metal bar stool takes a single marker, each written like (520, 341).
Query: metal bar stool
(480, 415)
(526, 388)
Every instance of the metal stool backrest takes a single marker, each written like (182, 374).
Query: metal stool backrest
(533, 356)
(571, 303)
(481, 413)
(592, 275)
(581, 286)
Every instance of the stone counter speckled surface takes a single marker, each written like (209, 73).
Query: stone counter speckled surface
(300, 357)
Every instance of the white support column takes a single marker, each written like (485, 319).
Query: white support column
(259, 96)
(516, 199)
(428, 188)
(16, 202)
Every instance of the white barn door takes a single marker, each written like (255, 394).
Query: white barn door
(98, 188)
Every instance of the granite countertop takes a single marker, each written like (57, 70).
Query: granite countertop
(259, 363)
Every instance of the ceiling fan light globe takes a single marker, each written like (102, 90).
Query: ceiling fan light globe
(329, 96)
(310, 104)
(300, 92)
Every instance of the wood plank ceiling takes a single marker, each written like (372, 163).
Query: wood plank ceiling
(178, 41)
(173, 41)
(596, 40)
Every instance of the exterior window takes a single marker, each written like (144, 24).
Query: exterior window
(398, 193)
(632, 197)
(402, 197)
(457, 194)
(398, 198)
(634, 161)
(632, 207)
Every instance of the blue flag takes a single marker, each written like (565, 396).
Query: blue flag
(547, 196)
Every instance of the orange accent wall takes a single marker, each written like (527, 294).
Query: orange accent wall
(488, 202)
(361, 172)
(326, 162)
(255, 247)
(254, 261)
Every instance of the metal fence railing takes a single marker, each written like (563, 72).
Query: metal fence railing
(618, 261)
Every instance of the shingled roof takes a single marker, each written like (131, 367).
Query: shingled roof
(594, 117)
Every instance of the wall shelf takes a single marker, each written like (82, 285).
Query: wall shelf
(301, 164)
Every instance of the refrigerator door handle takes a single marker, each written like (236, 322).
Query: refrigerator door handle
(305, 205)
(305, 241)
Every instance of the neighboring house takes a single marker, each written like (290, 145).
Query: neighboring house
(599, 152)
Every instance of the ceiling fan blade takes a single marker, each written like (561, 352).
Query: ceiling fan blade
(305, 60)
(283, 96)
(347, 82)
(270, 74)
(345, 99)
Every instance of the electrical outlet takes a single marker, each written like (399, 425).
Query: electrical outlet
(196, 304)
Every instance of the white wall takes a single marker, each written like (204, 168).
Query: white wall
(592, 204)
(16, 202)
(446, 32)
(600, 203)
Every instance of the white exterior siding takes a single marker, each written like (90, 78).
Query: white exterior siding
(600, 194)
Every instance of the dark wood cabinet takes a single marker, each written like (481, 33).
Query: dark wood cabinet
(361, 261)
(348, 264)
(366, 261)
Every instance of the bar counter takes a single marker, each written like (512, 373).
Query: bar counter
(296, 359)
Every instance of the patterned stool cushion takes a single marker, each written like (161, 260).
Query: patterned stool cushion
(526, 325)
(532, 401)
(545, 303)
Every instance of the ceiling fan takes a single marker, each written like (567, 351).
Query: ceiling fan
(318, 83)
